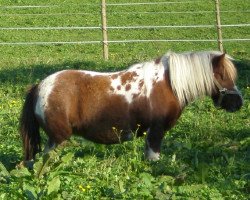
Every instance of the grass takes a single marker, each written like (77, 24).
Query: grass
(205, 156)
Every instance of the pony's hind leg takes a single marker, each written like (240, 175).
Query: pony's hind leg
(58, 129)
(50, 145)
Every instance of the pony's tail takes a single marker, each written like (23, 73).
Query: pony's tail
(29, 126)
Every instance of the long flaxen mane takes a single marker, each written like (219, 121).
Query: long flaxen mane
(191, 74)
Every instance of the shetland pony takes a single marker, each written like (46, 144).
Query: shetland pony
(150, 94)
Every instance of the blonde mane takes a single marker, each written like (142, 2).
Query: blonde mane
(191, 74)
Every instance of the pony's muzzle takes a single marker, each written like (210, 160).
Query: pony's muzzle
(229, 100)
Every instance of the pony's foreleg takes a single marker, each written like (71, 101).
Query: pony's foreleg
(153, 141)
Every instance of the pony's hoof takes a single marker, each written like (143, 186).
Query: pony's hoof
(151, 155)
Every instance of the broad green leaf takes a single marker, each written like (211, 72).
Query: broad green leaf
(68, 157)
(54, 185)
(145, 192)
(38, 165)
(29, 191)
(42, 166)
(147, 178)
(4, 196)
(121, 187)
(161, 196)
(166, 179)
(23, 172)
(3, 170)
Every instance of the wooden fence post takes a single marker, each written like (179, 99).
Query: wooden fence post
(104, 31)
(218, 23)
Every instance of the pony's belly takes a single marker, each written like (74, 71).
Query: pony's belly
(106, 137)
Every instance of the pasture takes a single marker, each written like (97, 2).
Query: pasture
(205, 156)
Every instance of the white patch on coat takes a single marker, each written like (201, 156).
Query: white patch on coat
(115, 83)
(152, 73)
(121, 89)
(147, 72)
(134, 89)
(93, 73)
(44, 90)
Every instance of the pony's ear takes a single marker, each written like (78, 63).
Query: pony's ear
(218, 60)
(222, 56)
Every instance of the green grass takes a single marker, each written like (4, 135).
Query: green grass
(205, 156)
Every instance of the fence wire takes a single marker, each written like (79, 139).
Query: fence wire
(120, 27)
(127, 13)
(124, 41)
(116, 27)
(95, 4)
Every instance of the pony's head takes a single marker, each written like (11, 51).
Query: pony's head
(225, 93)
(196, 74)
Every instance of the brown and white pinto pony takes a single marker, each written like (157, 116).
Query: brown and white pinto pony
(152, 94)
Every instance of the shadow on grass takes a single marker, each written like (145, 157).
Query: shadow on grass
(9, 160)
(243, 67)
(25, 75)
(202, 160)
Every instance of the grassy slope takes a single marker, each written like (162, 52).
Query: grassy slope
(205, 156)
